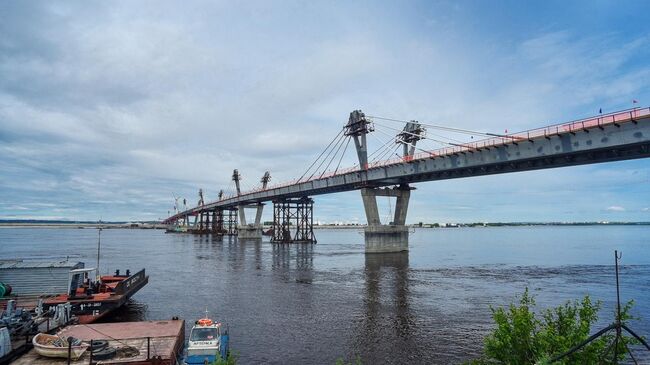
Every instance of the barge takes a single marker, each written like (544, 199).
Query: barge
(132, 343)
(94, 299)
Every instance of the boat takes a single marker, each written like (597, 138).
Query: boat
(92, 296)
(175, 229)
(55, 346)
(92, 299)
(208, 342)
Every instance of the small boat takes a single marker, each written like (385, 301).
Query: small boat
(55, 346)
(208, 342)
(176, 229)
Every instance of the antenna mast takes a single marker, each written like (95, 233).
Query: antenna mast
(99, 246)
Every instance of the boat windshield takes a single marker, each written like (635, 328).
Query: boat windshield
(204, 334)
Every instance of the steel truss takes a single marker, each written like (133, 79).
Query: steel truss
(230, 221)
(217, 222)
(293, 221)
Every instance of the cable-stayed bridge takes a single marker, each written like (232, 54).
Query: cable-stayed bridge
(404, 160)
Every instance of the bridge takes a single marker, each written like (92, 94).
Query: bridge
(608, 137)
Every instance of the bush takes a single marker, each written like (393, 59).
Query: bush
(357, 361)
(231, 359)
(522, 337)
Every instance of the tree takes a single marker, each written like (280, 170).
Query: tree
(523, 337)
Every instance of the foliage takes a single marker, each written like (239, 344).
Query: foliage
(523, 337)
(357, 361)
(231, 359)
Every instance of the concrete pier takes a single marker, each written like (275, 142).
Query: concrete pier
(386, 238)
(249, 232)
(392, 237)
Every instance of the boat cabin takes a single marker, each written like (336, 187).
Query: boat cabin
(86, 282)
(205, 334)
(204, 342)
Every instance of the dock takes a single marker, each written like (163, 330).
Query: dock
(156, 342)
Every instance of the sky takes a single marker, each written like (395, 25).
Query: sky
(110, 109)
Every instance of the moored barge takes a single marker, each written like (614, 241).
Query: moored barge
(94, 299)
(131, 343)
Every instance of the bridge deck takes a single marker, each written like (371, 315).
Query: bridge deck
(613, 137)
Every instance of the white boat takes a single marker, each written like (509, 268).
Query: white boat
(207, 342)
(55, 346)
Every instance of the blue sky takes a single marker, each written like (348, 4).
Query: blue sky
(107, 110)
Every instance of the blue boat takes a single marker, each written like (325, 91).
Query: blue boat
(208, 341)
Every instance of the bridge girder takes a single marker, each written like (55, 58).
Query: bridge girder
(614, 137)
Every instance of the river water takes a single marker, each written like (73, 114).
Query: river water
(313, 304)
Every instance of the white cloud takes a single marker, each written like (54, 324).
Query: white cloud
(110, 109)
(615, 208)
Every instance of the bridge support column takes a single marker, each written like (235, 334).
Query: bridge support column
(293, 221)
(392, 237)
(250, 231)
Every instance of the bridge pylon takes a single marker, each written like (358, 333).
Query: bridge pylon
(250, 231)
(394, 236)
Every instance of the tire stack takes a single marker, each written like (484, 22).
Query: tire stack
(101, 351)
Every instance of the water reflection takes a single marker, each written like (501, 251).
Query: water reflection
(131, 311)
(388, 324)
(294, 258)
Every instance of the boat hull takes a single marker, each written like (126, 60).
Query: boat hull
(200, 359)
(42, 348)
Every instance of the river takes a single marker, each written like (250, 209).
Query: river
(313, 304)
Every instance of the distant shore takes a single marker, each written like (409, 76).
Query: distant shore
(81, 225)
(155, 225)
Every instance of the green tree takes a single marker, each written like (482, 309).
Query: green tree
(357, 361)
(523, 337)
(231, 359)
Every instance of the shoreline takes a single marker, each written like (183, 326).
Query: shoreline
(58, 225)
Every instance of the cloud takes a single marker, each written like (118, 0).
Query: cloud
(108, 110)
(615, 208)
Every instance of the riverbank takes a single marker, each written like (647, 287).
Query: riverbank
(82, 225)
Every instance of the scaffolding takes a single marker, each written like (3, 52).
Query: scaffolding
(293, 221)
(230, 221)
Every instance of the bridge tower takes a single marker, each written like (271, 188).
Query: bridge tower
(391, 237)
(250, 231)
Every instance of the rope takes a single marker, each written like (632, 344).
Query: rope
(334, 157)
(319, 156)
(424, 137)
(410, 144)
(340, 139)
(381, 152)
(383, 145)
(449, 129)
(103, 334)
(389, 153)
(343, 154)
